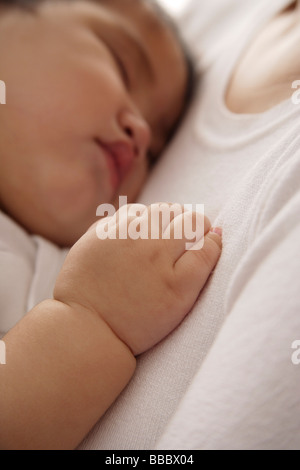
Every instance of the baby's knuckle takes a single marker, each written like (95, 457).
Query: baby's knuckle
(154, 254)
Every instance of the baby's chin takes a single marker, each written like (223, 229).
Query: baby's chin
(65, 236)
(64, 220)
(62, 231)
(70, 237)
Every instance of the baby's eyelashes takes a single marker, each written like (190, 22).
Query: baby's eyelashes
(152, 158)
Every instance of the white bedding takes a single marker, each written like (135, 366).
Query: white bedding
(198, 389)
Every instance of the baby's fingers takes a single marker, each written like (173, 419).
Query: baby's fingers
(181, 229)
(195, 266)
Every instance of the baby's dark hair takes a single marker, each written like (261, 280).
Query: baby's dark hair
(31, 7)
(192, 77)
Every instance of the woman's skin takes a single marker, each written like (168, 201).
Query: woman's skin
(258, 82)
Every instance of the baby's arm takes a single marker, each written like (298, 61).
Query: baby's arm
(70, 357)
(64, 368)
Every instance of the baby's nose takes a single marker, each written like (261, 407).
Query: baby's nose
(138, 130)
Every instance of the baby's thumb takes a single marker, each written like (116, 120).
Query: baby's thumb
(215, 234)
(208, 254)
(196, 265)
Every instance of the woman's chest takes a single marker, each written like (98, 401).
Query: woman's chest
(264, 75)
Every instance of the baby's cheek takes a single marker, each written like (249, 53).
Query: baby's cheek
(73, 196)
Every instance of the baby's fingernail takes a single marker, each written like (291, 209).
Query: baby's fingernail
(217, 230)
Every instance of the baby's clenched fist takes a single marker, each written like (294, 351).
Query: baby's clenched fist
(142, 288)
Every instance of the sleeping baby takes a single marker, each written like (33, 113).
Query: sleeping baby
(95, 90)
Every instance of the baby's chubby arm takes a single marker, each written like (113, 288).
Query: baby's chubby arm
(70, 357)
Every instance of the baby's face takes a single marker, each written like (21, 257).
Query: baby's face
(92, 87)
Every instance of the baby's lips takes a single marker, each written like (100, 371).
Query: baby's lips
(124, 155)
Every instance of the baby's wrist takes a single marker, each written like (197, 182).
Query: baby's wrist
(69, 352)
(86, 313)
